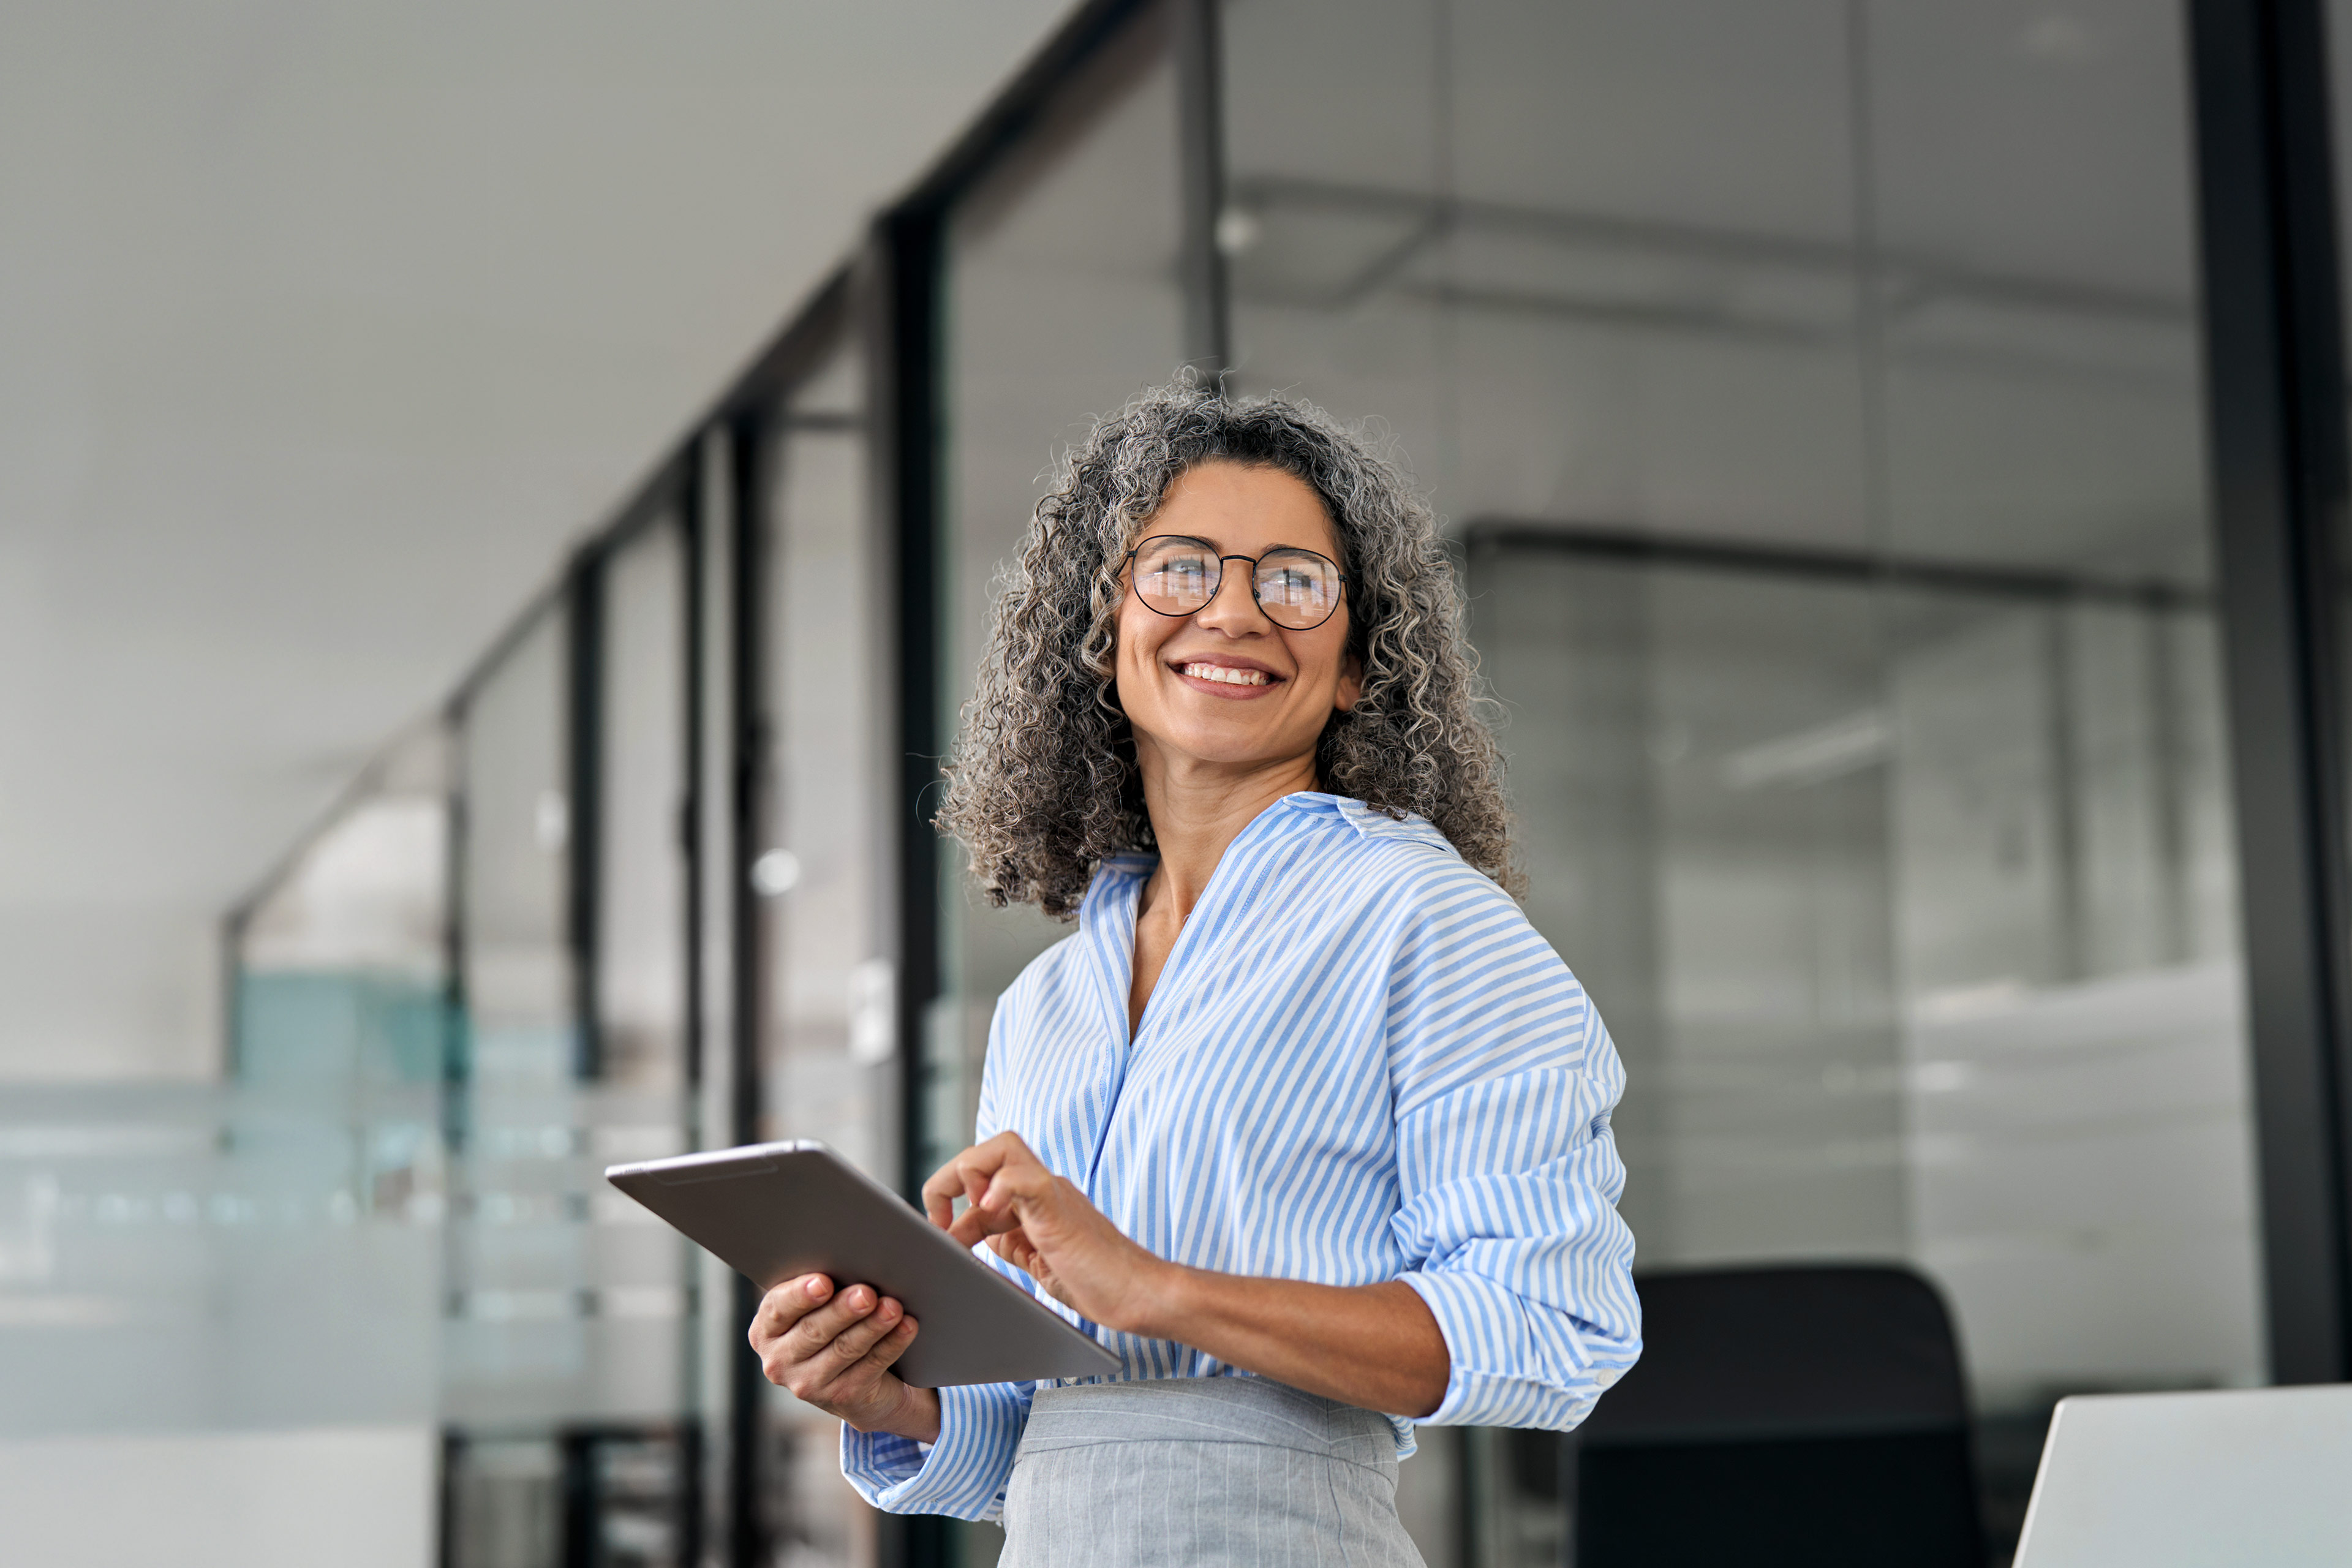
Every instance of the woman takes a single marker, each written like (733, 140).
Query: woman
(1306, 1121)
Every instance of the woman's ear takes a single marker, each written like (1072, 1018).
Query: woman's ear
(1351, 683)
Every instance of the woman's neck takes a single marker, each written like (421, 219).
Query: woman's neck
(1197, 809)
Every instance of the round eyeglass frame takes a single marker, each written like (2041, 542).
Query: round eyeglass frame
(1340, 577)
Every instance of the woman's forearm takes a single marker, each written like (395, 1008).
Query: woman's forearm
(1376, 1346)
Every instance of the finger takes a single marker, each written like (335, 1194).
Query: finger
(850, 1345)
(891, 1346)
(973, 1176)
(820, 1328)
(787, 1304)
(955, 1179)
(940, 1192)
(1010, 1185)
(999, 1206)
(1013, 1246)
(971, 1226)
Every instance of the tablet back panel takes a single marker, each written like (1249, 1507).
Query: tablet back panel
(776, 1211)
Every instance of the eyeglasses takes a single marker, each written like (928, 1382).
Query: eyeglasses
(1177, 575)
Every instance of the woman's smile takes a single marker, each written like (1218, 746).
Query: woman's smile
(1231, 679)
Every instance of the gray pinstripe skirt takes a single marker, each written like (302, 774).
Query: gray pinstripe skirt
(1229, 1470)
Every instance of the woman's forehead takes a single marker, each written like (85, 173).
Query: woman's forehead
(1245, 509)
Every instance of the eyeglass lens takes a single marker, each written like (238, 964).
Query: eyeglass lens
(1296, 588)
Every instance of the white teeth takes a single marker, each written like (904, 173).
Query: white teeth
(1228, 676)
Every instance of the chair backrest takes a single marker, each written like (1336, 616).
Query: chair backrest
(1785, 1415)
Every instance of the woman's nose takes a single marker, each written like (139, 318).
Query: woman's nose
(1232, 607)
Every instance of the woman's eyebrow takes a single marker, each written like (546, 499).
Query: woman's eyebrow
(1223, 554)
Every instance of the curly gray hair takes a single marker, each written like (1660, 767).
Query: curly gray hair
(1043, 786)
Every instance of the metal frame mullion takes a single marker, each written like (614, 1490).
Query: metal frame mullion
(904, 344)
(905, 349)
(1200, 92)
(686, 829)
(583, 670)
(2276, 419)
(686, 824)
(748, 452)
(457, 1072)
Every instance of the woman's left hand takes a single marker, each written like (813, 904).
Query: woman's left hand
(1040, 1223)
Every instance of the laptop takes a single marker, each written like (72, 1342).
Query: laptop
(2227, 1478)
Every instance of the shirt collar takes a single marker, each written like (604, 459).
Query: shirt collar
(1116, 874)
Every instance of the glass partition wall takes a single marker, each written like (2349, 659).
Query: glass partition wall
(1816, 394)
(246, 1235)
(484, 958)
(1814, 391)
(568, 1373)
(821, 869)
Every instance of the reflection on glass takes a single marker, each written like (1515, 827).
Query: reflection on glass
(823, 868)
(567, 1305)
(516, 793)
(342, 964)
(641, 794)
(1062, 301)
(245, 1236)
(200, 1257)
(1815, 387)
(2027, 216)
(1917, 903)
(1178, 576)
(633, 1287)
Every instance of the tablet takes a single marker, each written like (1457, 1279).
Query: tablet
(776, 1211)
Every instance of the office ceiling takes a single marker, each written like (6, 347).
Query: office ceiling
(324, 329)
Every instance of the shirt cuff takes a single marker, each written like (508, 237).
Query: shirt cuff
(1496, 1374)
(962, 1474)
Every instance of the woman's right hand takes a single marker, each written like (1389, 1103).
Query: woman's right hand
(835, 1351)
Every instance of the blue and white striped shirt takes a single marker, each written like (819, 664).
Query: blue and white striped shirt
(1360, 1063)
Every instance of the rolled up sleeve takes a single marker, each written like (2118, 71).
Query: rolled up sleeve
(964, 1474)
(1507, 1171)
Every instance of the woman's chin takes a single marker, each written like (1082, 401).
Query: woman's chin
(1206, 749)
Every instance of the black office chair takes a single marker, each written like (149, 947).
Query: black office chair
(1809, 1415)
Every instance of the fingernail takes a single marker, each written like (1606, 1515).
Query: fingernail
(816, 1288)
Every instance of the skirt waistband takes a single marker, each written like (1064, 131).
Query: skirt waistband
(1208, 1410)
